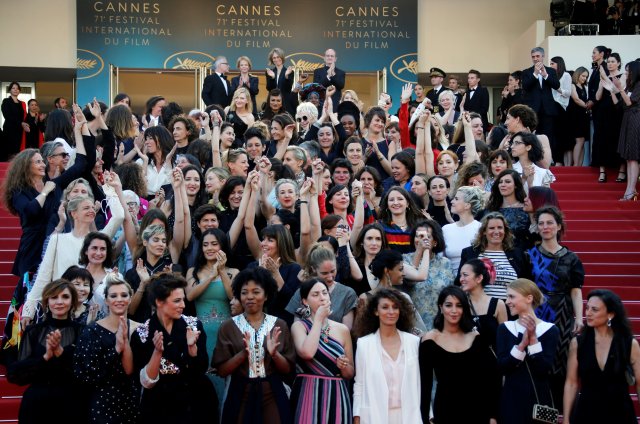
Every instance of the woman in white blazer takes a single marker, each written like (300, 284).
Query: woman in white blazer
(387, 382)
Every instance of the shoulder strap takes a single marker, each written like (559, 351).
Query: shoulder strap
(493, 305)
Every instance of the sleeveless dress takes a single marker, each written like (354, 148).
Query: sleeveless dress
(578, 116)
(212, 309)
(487, 325)
(604, 394)
(320, 394)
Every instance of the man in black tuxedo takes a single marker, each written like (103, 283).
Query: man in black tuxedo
(437, 77)
(216, 90)
(538, 82)
(330, 75)
(476, 98)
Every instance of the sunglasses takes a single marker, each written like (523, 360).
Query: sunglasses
(63, 155)
(303, 118)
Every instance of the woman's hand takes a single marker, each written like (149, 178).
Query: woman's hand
(49, 186)
(264, 165)
(221, 261)
(288, 131)
(26, 127)
(94, 108)
(246, 339)
(322, 312)
(78, 115)
(113, 180)
(142, 272)
(272, 340)
(356, 189)
(273, 266)
(407, 89)
(466, 119)
(270, 73)
(177, 179)
(158, 341)
(192, 336)
(317, 166)
(122, 335)
(578, 325)
(306, 187)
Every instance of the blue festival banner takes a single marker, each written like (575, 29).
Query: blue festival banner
(367, 36)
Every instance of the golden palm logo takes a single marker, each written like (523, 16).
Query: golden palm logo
(189, 60)
(306, 62)
(88, 63)
(405, 67)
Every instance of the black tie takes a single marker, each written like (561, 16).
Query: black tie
(472, 90)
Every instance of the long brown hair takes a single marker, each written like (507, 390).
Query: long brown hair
(18, 178)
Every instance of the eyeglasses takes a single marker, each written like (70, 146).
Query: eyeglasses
(63, 155)
(133, 204)
(303, 118)
(516, 142)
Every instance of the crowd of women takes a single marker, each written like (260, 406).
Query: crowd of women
(225, 265)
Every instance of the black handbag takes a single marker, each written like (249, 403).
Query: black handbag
(542, 413)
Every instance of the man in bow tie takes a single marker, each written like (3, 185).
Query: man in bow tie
(330, 75)
(476, 99)
(216, 90)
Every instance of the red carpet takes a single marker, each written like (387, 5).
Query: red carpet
(603, 231)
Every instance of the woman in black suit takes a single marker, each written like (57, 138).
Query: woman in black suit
(14, 112)
(280, 77)
(246, 80)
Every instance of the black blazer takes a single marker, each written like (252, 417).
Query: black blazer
(252, 87)
(214, 93)
(517, 257)
(594, 81)
(284, 84)
(479, 104)
(320, 77)
(433, 96)
(540, 99)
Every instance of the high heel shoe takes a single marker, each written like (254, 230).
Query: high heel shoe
(603, 177)
(633, 197)
(621, 179)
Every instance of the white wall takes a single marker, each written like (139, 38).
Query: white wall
(576, 51)
(38, 33)
(456, 35)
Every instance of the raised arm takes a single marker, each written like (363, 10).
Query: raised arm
(267, 209)
(358, 222)
(216, 121)
(253, 241)
(178, 237)
(238, 223)
(305, 224)
(282, 147)
(469, 142)
(403, 116)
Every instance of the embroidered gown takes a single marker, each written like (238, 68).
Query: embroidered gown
(182, 394)
(114, 396)
(256, 393)
(320, 394)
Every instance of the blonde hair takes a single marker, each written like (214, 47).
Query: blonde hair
(245, 58)
(527, 287)
(354, 96)
(236, 94)
(474, 196)
(307, 108)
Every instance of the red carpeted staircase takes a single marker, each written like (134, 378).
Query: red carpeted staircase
(603, 231)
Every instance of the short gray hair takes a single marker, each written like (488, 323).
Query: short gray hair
(219, 60)
(537, 50)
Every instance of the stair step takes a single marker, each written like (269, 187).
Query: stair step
(602, 246)
(590, 224)
(609, 257)
(560, 186)
(600, 214)
(612, 280)
(602, 235)
(9, 389)
(604, 268)
(579, 195)
(9, 408)
(630, 293)
(598, 205)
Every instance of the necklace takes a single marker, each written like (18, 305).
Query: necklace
(324, 332)
(153, 270)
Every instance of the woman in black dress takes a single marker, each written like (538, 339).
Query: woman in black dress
(629, 142)
(14, 112)
(607, 120)
(170, 358)
(526, 351)
(463, 364)
(103, 360)
(246, 80)
(45, 360)
(37, 125)
(601, 360)
(578, 113)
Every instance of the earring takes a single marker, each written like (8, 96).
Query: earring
(609, 322)
(304, 311)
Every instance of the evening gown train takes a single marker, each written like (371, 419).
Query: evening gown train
(320, 394)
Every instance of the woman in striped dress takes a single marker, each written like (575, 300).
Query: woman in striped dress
(325, 360)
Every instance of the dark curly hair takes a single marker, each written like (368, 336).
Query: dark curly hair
(260, 276)
(227, 189)
(558, 216)
(466, 321)
(436, 234)
(369, 322)
(132, 178)
(161, 286)
(189, 125)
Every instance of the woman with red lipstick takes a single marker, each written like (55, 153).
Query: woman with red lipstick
(601, 361)
(454, 351)
(103, 360)
(507, 197)
(45, 359)
(559, 274)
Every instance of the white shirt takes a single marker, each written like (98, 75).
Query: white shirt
(563, 94)
(457, 238)
(541, 177)
(156, 179)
